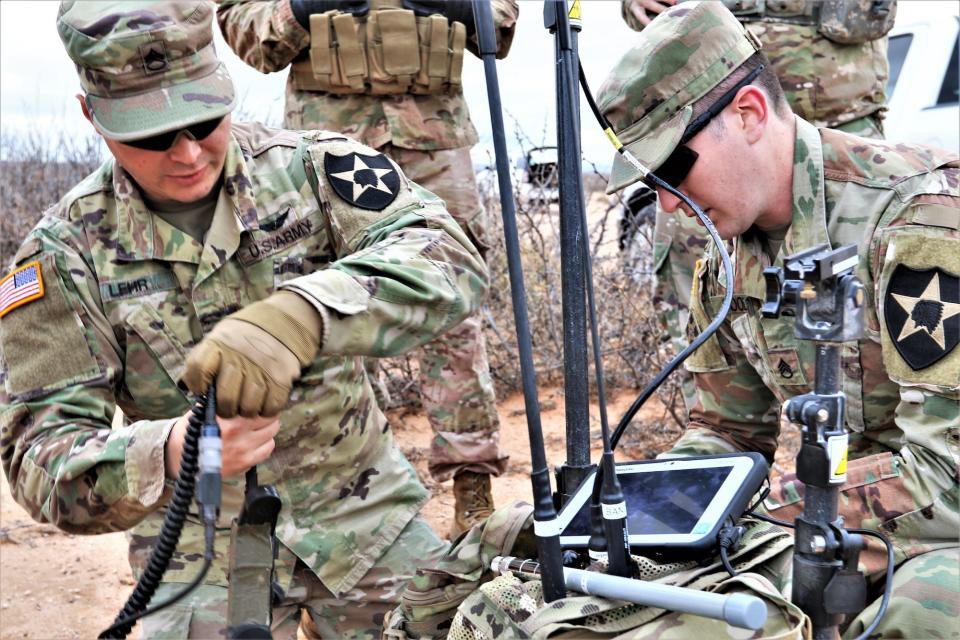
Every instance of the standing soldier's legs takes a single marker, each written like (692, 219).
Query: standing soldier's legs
(454, 373)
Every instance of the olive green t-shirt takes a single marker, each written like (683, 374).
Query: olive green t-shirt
(193, 218)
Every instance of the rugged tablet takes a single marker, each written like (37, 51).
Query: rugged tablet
(672, 505)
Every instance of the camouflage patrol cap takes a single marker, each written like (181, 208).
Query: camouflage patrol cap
(146, 67)
(648, 97)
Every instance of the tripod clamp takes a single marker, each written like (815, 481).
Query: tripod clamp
(818, 288)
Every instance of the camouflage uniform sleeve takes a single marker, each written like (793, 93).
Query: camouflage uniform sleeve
(628, 16)
(405, 273)
(915, 263)
(505, 14)
(734, 411)
(265, 35)
(61, 365)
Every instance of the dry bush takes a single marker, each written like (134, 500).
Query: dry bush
(36, 170)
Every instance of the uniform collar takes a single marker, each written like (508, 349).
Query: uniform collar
(141, 235)
(808, 225)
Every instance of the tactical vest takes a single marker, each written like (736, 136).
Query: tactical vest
(841, 21)
(389, 50)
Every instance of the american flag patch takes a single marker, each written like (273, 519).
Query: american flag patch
(20, 287)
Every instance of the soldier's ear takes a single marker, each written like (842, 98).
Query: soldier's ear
(753, 111)
(84, 108)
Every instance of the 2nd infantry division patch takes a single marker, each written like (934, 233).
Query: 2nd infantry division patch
(368, 182)
(24, 285)
(922, 312)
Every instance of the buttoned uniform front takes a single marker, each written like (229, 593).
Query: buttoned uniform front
(430, 137)
(900, 205)
(127, 296)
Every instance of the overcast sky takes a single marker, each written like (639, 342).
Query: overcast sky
(38, 81)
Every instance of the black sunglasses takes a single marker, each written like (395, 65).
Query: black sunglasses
(163, 141)
(678, 164)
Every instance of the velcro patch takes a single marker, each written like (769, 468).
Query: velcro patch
(45, 344)
(922, 312)
(368, 182)
(22, 286)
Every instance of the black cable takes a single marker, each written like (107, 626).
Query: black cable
(766, 518)
(888, 581)
(653, 181)
(726, 562)
(131, 619)
(173, 522)
(728, 539)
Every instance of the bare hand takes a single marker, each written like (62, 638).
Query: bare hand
(646, 10)
(246, 442)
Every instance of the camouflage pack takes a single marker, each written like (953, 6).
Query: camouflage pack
(431, 598)
(856, 21)
(461, 598)
(512, 607)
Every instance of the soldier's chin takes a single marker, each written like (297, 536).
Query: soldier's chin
(191, 187)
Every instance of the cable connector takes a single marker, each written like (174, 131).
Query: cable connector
(729, 539)
(210, 463)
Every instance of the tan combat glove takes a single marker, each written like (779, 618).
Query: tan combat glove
(256, 354)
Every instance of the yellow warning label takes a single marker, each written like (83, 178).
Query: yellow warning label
(842, 465)
(575, 10)
(837, 455)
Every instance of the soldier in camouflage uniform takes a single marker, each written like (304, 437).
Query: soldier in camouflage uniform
(774, 184)
(277, 260)
(827, 82)
(427, 131)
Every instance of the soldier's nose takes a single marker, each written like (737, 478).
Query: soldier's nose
(185, 149)
(668, 201)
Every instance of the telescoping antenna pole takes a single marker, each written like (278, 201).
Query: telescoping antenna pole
(612, 537)
(544, 512)
(576, 391)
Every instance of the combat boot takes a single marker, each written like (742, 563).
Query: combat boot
(474, 501)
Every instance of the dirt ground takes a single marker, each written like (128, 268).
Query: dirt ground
(54, 585)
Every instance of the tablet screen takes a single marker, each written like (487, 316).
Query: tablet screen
(665, 502)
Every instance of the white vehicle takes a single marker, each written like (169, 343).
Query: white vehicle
(540, 176)
(923, 92)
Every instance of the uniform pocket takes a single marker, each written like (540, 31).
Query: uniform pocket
(709, 356)
(154, 361)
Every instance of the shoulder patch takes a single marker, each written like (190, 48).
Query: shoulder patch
(366, 181)
(922, 312)
(22, 286)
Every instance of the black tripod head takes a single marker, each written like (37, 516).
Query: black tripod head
(818, 287)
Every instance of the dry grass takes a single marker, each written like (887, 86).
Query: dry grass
(36, 170)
